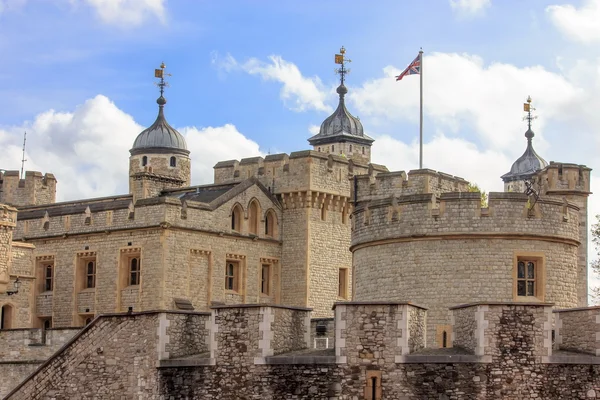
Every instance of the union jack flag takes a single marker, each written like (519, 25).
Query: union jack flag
(414, 68)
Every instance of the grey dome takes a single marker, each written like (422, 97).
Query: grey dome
(526, 165)
(160, 137)
(341, 126)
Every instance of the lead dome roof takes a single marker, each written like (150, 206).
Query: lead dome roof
(341, 126)
(160, 137)
(526, 165)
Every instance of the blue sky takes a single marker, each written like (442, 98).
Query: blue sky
(252, 77)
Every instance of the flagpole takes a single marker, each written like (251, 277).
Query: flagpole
(421, 112)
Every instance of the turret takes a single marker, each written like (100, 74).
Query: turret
(159, 156)
(35, 189)
(8, 221)
(342, 133)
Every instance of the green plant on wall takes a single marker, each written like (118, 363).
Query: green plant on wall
(473, 187)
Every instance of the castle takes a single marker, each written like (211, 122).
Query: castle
(203, 291)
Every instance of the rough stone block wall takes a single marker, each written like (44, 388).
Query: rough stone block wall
(290, 330)
(295, 257)
(577, 330)
(236, 340)
(464, 329)
(28, 345)
(417, 325)
(187, 334)
(113, 355)
(11, 373)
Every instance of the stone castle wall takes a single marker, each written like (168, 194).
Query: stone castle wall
(439, 251)
(259, 352)
(35, 189)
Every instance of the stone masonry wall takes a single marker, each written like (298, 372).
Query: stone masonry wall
(464, 329)
(577, 330)
(28, 344)
(187, 333)
(33, 190)
(290, 330)
(14, 372)
(112, 355)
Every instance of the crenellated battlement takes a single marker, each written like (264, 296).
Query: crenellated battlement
(35, 189)
(297, 172)
(378, 185)
(460, 213)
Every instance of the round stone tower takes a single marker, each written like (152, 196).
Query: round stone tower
(159, 156)
(417, 239)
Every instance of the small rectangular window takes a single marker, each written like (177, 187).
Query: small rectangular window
(232, 275)
(526, 278)
(265, 282)
(343, 283)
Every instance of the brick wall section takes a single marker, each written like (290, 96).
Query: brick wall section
(578, 330)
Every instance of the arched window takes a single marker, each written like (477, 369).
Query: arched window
(173, 162)
(332, 148)
(253, 217)
(350, 148)
(270, 222)
(363, 150)
(236, 218)
(88, 320)
(319, 149)
(134, 271)
(444, 339)
(323, 213)
(6, 317)
(144, 161)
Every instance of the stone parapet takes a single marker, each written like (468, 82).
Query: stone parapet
(376, 333)
(460, 214)
(488, 330)
(298, 171)
(252, 332)
(35, 189)
(374, 186)
(578, 330)
(33, 344)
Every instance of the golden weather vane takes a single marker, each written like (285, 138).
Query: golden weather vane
(160, 73)
(528, 109)
(342, 60)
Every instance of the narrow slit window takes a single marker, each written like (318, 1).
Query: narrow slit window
(134, 271)
(48, 278)
(144, 161)
(90, 275)
(173, 162)
(265, 284)
(444, 339)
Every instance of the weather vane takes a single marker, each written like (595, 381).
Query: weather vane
(341, 59)
(528, 109)
(160, 73)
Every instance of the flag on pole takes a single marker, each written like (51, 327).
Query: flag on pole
(413, 69)
(416, 68)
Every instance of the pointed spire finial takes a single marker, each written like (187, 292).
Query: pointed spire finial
(342, 60)
(529, 117)
(160, 73)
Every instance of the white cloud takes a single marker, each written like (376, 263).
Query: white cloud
(461, 93)
(127, 12)
(298, 92)
(579, 24)
(88, 149)
(115, 12)
(470, 7)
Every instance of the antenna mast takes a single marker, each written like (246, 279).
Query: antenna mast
(23, 157)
